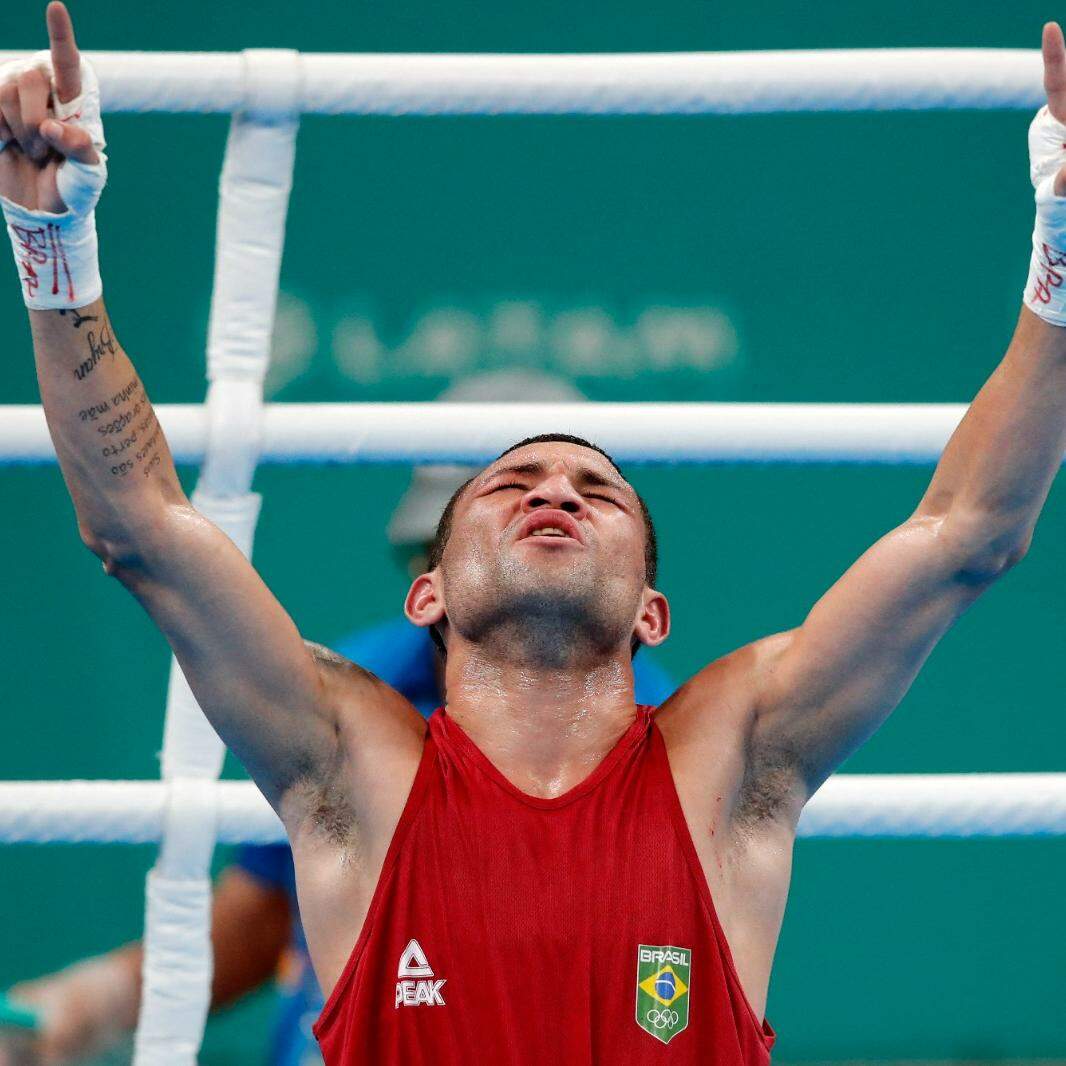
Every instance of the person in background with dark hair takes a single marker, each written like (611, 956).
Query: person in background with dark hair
(92, 1005)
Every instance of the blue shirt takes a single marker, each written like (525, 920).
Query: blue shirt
(402, 655)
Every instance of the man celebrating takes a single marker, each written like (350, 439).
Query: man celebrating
(548, 872)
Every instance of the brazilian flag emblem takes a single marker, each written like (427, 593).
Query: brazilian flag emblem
(664, 973)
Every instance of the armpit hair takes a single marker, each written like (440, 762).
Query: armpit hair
(771, 777)
(316, 788)
(321, 802)
(330, 813)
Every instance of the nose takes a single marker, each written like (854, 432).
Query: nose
(555, 491)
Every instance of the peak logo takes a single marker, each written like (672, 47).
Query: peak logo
(417, 985)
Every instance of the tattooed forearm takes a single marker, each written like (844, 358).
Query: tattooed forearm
(148, 457)
(99, 343)
(96, 410)
(110, 445)
(128, 425)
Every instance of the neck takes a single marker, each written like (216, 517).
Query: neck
(545, 728)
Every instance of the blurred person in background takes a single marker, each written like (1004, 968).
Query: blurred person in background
(92, 1006)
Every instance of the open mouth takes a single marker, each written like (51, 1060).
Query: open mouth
(549, 531)
(553, 527)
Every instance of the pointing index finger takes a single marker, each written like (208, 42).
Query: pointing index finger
(66, 63)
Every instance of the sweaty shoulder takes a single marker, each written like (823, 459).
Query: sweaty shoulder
(710, 727)
(369, 711)
(719, 699)
(379, 742)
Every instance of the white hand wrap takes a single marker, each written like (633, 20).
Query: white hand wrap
(56, 255)
(1045, 291)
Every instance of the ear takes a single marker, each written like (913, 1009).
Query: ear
(425, 600)
(653, 621)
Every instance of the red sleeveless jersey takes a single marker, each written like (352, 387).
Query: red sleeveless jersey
(519, 931)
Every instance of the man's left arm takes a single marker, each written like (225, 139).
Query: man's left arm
(823, 688)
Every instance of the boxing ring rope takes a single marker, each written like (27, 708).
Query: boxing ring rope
(626, 83)
(265, 91)
(476, 433)
(847, 805)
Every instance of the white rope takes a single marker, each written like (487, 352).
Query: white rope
(123, 812)
(474, 433)
(622, 83)
(848, 805)
(937, 805)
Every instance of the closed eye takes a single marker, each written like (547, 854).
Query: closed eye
(508, 485)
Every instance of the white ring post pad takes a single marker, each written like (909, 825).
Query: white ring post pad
(177, 952)
(254, 196)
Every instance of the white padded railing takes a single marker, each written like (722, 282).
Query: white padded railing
(616, 84)
(474, 433)
(848, 805)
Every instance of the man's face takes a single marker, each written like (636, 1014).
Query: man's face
(548, 536)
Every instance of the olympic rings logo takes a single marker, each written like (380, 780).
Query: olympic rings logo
(663, 1019)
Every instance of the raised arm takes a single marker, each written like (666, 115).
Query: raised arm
(262, 688)
(824, 688)
(820, 690)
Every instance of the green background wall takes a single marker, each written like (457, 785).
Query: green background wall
(830, 258)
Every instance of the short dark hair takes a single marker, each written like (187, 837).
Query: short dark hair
(444, 526)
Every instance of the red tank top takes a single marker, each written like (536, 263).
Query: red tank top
(520, 931)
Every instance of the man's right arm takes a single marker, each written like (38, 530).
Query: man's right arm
(265, 692)
(242, 654)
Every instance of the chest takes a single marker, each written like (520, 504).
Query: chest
(586, 873)
(496, 919)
